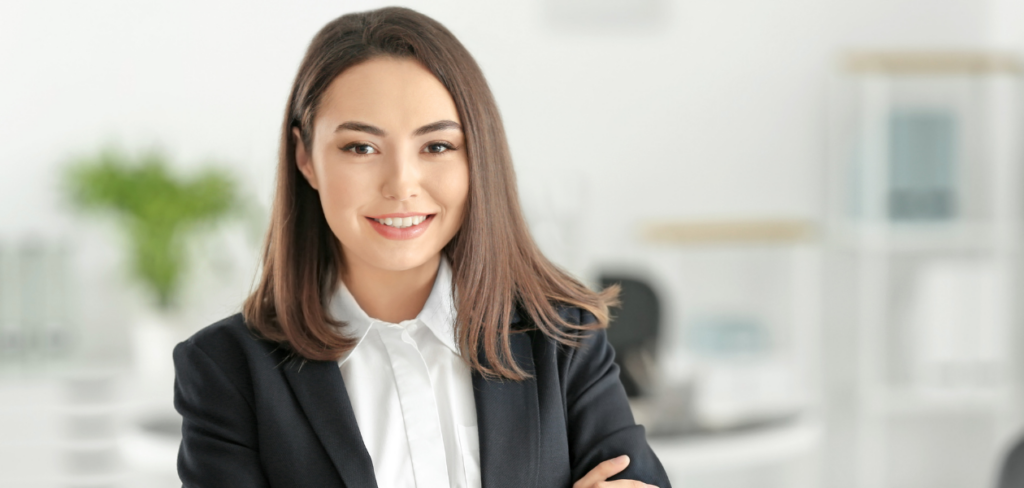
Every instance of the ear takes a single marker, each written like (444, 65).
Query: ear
(303, 161)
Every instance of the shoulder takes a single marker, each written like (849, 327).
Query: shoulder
(586, 341)
(216, 372)
(228, 343)
(575, 315)
(228, 333)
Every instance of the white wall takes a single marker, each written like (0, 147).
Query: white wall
(718, 111)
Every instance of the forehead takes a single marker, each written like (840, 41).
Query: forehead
(392, 93)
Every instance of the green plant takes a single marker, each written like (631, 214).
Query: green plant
(158, 210)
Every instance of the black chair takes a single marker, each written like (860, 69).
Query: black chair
(1012, 473)
(634, 332)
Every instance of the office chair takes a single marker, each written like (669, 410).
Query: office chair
(1012, 473)
(633, 332)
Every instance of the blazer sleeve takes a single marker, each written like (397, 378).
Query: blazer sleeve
(600, 421)
(219, 443)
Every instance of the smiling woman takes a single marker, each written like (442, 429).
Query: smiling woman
(405, 331)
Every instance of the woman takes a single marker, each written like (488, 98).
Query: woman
(406, 331)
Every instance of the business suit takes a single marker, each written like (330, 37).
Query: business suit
(255, 418)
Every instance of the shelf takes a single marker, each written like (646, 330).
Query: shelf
(728, 232)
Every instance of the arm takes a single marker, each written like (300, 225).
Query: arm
(601, 425)
(218, 444)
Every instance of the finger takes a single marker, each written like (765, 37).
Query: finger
(603, 471)
(624, 484)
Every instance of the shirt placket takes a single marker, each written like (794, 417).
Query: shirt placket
(419, 407)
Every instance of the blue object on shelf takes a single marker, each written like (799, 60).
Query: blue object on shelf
(728, 337)
(922, 164)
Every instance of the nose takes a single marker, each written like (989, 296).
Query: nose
(402, 177)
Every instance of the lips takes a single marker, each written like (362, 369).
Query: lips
(401, 226)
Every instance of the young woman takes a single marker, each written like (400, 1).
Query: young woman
(406, 331)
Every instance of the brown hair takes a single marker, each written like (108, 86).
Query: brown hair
(496, 266)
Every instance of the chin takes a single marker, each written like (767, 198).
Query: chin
(400, 261)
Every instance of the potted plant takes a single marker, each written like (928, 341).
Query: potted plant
(159, 212)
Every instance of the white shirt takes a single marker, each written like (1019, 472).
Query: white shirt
(411, 392)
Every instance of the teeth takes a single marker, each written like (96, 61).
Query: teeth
(403, 222)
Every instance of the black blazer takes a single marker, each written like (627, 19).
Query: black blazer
(254, 418)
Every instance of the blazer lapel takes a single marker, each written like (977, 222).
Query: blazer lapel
(320, 390)
(508, 421)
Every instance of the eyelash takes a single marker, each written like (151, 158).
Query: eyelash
(352, 146)
(446, 145)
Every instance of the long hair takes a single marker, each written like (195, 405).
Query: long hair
(496, 266)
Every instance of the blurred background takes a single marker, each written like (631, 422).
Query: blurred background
(813, 207)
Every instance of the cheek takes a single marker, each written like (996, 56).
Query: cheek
(341, 196)
(453, 189)
(452, 193)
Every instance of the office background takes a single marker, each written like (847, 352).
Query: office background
(717, 155)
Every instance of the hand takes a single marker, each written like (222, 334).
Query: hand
(597, 477)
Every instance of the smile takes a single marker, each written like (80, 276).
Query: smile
(401, 227)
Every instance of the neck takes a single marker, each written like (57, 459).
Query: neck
(389, 295)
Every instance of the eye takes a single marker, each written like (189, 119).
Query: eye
(360, 148)
(438, 147)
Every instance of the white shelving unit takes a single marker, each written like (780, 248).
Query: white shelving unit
(924, 241)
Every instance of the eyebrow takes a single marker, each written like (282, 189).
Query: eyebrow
(360, 127)
(377, 131)
(437, 126)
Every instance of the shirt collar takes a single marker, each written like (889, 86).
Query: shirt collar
(438, 312)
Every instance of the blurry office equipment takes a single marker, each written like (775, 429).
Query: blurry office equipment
(62, 419)
(88, 412)
(78, 428)
(924, 227)
(35, 322)
(735, 401)
(634, 332)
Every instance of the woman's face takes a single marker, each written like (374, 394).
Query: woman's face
(388, 159)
